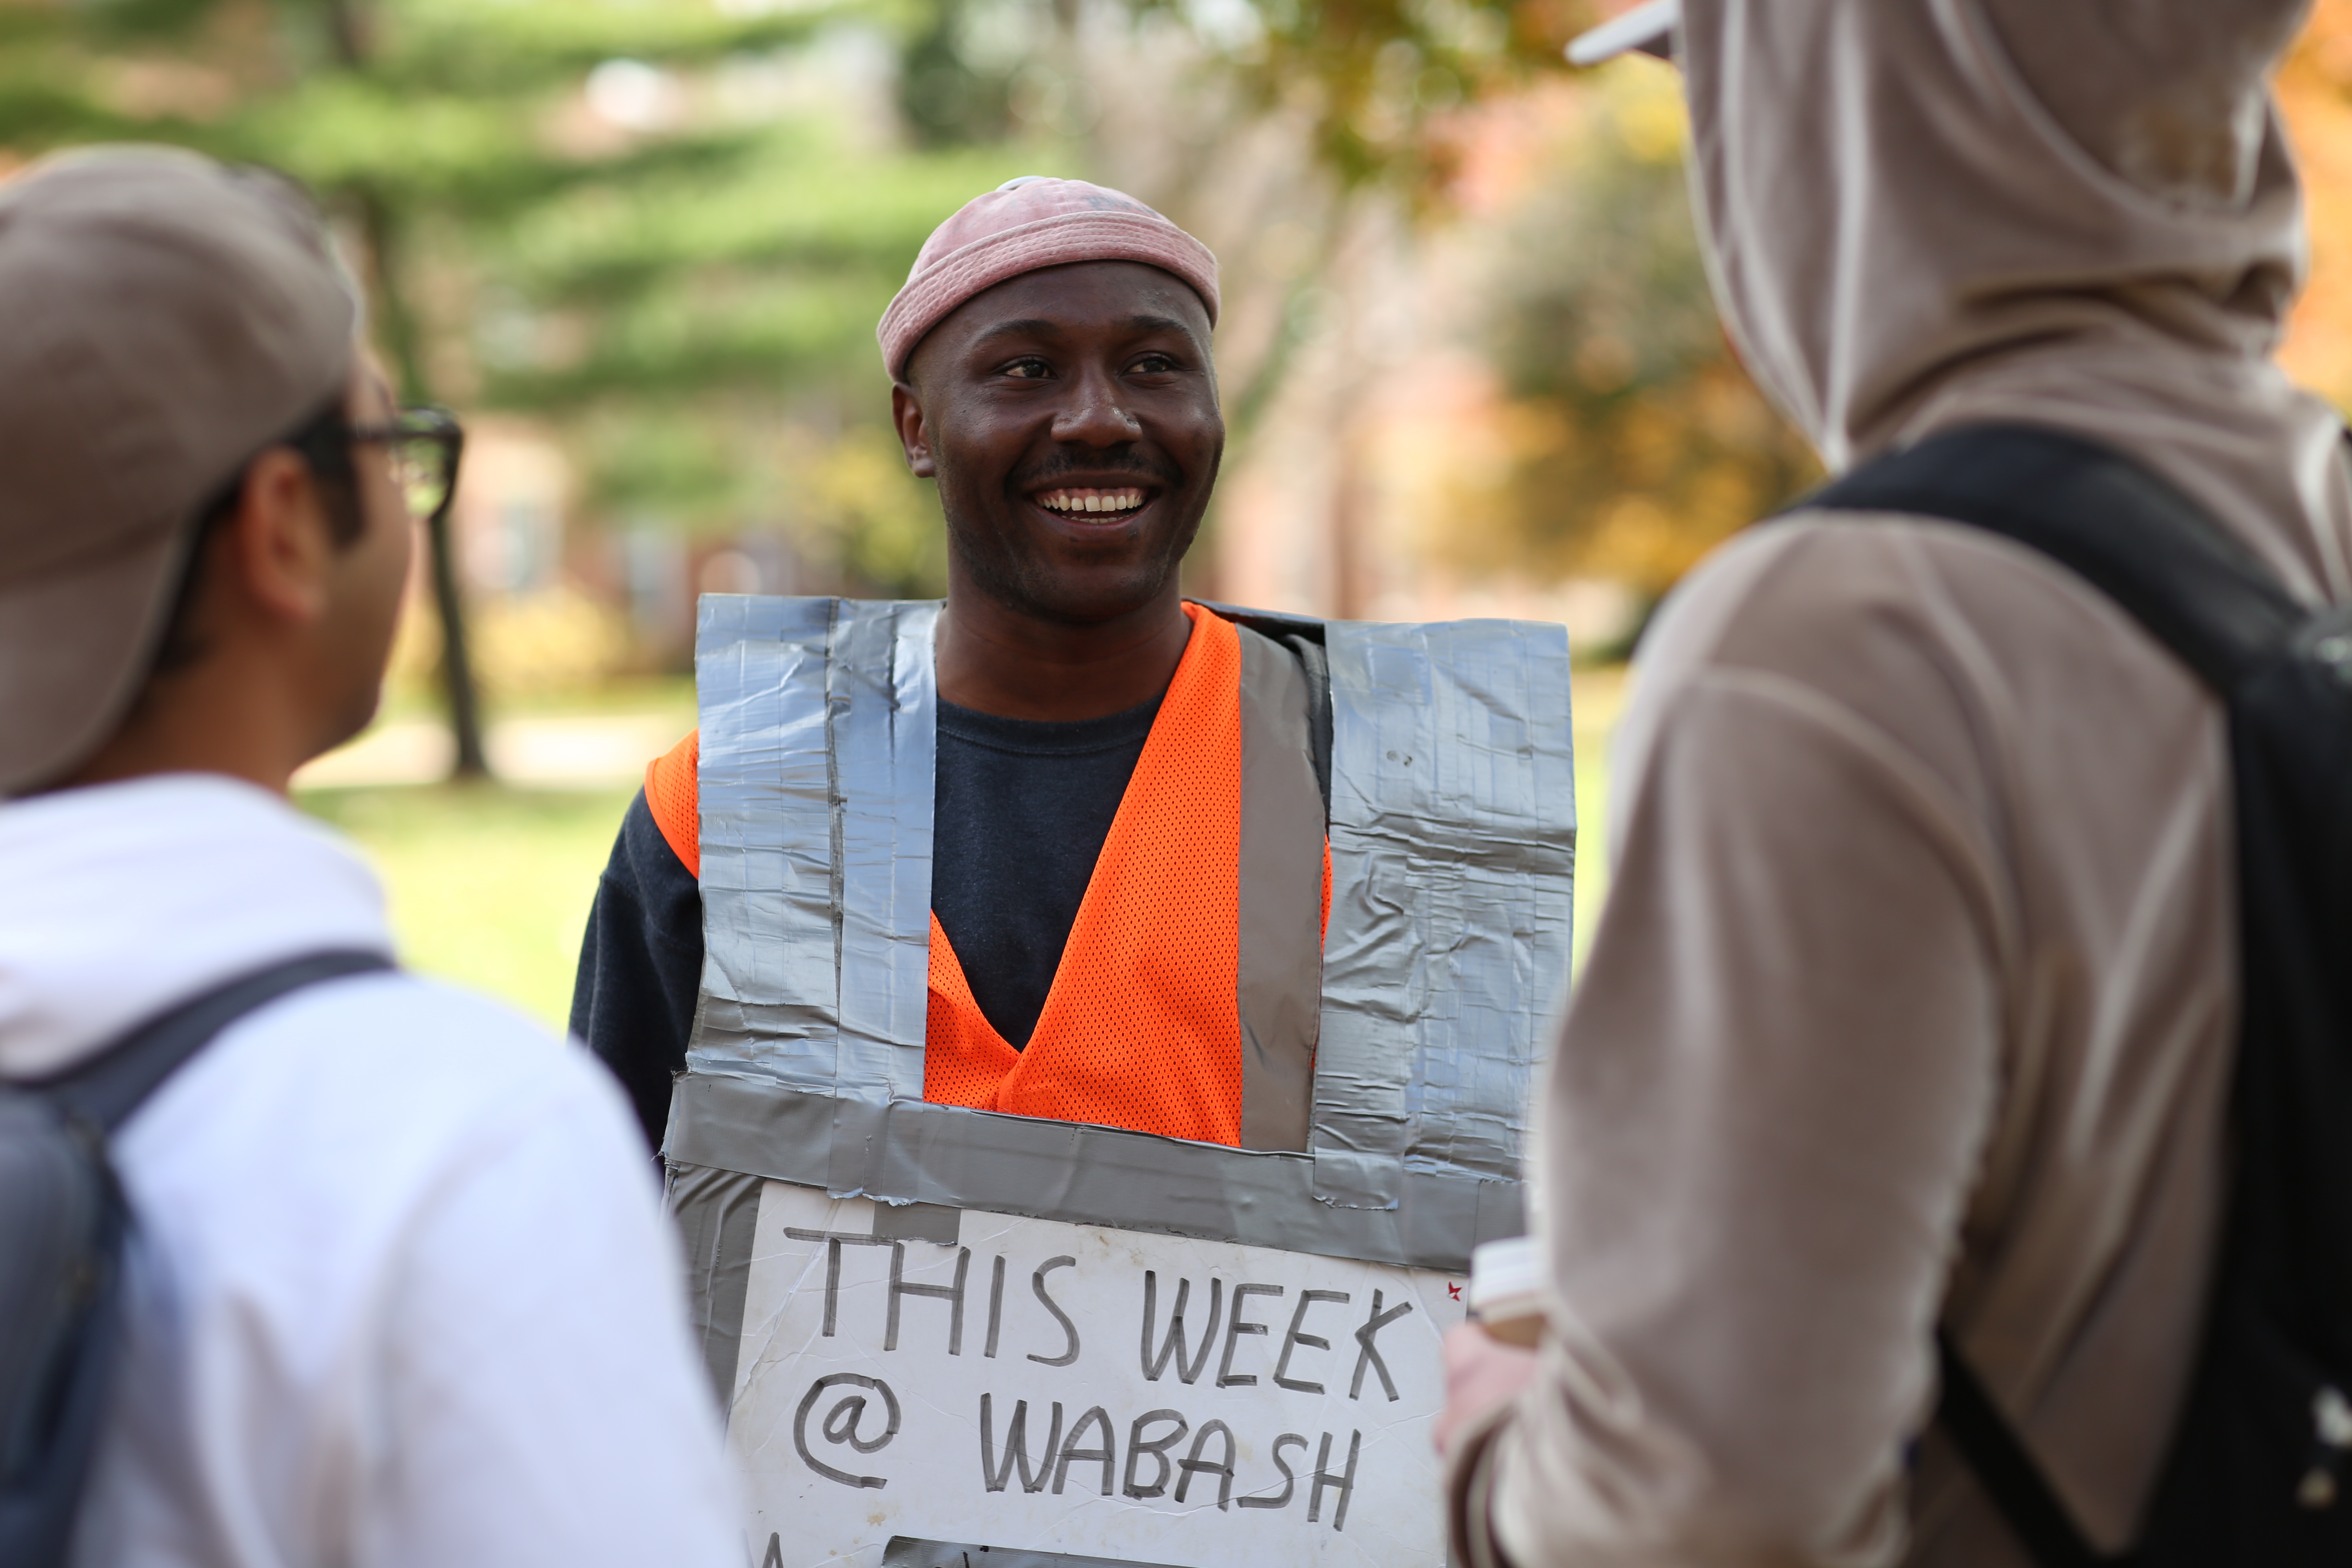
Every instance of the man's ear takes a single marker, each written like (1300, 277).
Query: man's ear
(914, 435)
(278, 554)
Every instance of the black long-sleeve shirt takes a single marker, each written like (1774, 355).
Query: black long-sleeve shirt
(1021, 810)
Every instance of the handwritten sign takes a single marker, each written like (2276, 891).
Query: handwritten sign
(1072, 1388)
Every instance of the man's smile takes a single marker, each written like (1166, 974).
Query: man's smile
(1129, 498)
(1093, 506)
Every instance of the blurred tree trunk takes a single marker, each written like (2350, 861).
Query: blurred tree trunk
(380, 228)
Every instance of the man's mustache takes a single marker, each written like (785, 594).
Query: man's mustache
(1141, 468)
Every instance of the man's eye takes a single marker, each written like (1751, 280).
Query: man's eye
(1153, 364)
(1028, 367)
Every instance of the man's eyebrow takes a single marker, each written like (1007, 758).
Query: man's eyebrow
(1029, 328)
(1036, 327)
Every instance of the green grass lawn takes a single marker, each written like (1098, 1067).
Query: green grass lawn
(1597, 696)
(489, 886)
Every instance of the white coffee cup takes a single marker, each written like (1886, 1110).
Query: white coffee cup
(1507, 1289)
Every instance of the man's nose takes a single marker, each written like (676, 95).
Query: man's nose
(1095, 414)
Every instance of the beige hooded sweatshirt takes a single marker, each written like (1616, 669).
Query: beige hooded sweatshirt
(1915, 994)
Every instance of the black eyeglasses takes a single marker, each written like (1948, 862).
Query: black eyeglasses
(426, 444)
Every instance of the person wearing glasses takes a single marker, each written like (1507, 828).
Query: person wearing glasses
(398, 1289)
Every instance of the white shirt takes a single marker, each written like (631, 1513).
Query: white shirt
(400, 1292)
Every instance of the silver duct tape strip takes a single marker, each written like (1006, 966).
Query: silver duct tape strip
(882, 700)
(1453, 838)
(910, 1152)
(717, 1216)
(770, 998)
(1453, 851)
(1278, 970)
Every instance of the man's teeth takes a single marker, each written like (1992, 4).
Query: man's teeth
(1091, 501)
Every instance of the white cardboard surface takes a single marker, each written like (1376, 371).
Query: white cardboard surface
(832, 1477)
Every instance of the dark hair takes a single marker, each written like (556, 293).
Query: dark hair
(324, 441)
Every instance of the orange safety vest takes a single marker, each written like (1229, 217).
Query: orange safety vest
(1140, 1028)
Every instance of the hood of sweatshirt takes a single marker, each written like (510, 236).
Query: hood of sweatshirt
(1930, 212)
(118, 900)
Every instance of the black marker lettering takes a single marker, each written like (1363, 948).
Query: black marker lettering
(1345, 1485)
(1070, 1451)
(995, 1305)
(1234, 1328)
(840, 1425)
(1369, 1354)
(1293, 1339)
(1017, 1447)
(1290, 1481)
(954, 1294)
(1194, 1465)
(1158, 1448)
(832, 1240)
(1037, 1283)
(1175, 1344)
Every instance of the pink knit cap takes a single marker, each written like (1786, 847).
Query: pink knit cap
(1022, 226)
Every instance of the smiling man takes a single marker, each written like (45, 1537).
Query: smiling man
(1127, 872)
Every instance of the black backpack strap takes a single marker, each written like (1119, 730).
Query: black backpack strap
(107, 1089)
(2194, 587)
(2181, 575)
(2005, 1471)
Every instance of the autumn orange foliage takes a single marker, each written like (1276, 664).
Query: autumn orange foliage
(2314, 91)
(1595, 469)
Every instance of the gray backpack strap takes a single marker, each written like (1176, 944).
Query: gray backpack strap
(105, 1090)
(62, 1224)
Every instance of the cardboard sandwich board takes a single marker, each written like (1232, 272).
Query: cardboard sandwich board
(1074, 1389)
(950, 1336)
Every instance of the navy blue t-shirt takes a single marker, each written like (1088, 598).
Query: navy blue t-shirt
(1021, 811)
